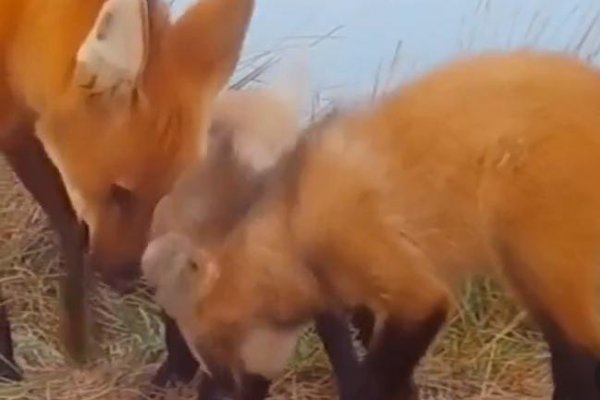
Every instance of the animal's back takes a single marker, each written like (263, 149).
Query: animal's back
(489, 162)
(480, 105)
(494, 138)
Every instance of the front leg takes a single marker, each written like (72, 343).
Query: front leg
(334, 331)
(180, 365)
(39, 176)
(395, 354)
(411, 325)
(363, 321)
(9, 371)
(222, 386)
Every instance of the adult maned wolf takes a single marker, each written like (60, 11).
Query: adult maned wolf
(102, 104)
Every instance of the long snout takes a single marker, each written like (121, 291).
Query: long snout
(124, 281)
(121, 274)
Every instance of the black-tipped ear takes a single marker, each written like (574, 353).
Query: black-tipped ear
(205, 43)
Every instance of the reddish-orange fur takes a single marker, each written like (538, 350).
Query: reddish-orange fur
(116, 159)
(142, 147)
(487, 165)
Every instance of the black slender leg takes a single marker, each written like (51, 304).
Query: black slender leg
(334, 331)
(9, 371)
(180, 365)
(393, 357)
(222, 386)
(364, 322)
(42, 180)
(575, 371)
(255, 387)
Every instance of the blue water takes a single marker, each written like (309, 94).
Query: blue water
(377, 43)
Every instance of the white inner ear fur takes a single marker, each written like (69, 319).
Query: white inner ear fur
(266, 351)
(113, 55)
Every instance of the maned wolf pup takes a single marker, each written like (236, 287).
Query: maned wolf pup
(251, 130)
(490, 164)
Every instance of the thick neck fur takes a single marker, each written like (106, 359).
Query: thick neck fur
(262, 283)
(261, 263)
(208, 201)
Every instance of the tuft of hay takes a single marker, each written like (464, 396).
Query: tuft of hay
(488, 351)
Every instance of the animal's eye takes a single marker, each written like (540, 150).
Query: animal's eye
(121, 196)
(192, 265)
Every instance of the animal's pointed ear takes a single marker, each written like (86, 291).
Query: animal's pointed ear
(204, 45)
(112, 57)
(181, 274)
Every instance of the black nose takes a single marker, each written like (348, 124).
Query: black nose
(124, 278)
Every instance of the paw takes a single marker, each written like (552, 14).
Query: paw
(408, 391)
(210, 389)
(112, 57)
(366, 388)
(370, 387)
(169, 375)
